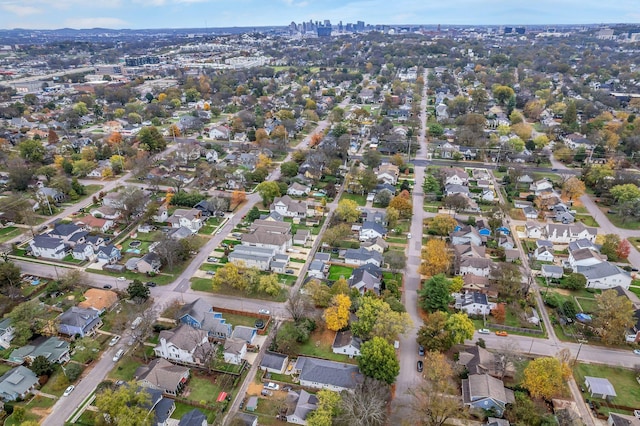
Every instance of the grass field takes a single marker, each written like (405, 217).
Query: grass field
(623, 381)
(319, 345)
(9, 232)
(335, 272)
(360, 199)
(205, 284)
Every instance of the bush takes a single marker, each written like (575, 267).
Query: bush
(73, 371)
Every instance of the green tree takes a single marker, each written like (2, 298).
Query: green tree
(289, 168)
(41, 366)
(126, 405)
(435, 294)
(574, 281)
(268, 191)
(151, 139)
(502, 93)
(377, 319)
(460, 327)
(570, 117)
(269, 284)
(10, 279)
(372, 159)
(347, 211)
(82, 167)
(625, 193)
(328, 406)
(26, 319)
(431, 184)
(508, 280)
(383, 198)
(613, 316)
(138, 292)
(73, 371)
(229, 274)
(433, 334)
(253, 214)
(378, 360)
(81, 109)
(32, 151)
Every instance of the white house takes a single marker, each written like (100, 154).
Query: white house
(49, 247)
(183, 344)
(323, 374)
(6, 333)
(605, 275)
(534, 230)
(188, 218)
(455, 176)
(479, 266)
(584, 257)
(474, 303)
(466, 235)
(234, 351)
(298, 190)
(543, 254)
(299, 406)
(566, 233)
(346, 344)
(290, 208)
(540, 186)
(372, 230)
(388, 173)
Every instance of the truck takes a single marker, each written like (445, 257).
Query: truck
(136, 322)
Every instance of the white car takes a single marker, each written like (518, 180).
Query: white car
(272, 386)
(484, 331)
(121, 279)
(114, 340)
(118, 355)
(68, 390)
(264, 311)
(409, 235)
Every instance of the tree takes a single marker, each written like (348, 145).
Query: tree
(320, 293)
(623, 249)
(10, 279)
(377, 319)
(32, 151)
(125, 405)
(172, 251)
(573, 188)
(575, 281)
(333, 235)
(502, 93)
(383, 198)
(328, 406)
(545, 377)
(269, 284)
(138, 292)
(613, 316)
(442, 224)
(151, 139)
(609, 245)
(268, 191)
(297, 306)
(433, 402)
(430, 184)
(499, 313)
(347, 211)
(435, 294)
(253, 214)
(508, 280)
(133, 202)
(395, 260)
(393, 215)
(229, 275)
(26, 319)
(626, 192)
(460, 327)
(73, 371)
(372, 159)
(378, 360)
(433, 334)
(289, 168)
(337, 314)
(402, 203)
(366, 405)
(435, 258)
(41, 366)
(238, 197)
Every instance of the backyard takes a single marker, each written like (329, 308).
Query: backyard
(336, 271)
(319, 346)
(360, 199)
(624, 382)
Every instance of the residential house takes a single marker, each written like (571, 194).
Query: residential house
(234, 351)
(476, 266)
(299, 405)
(605, 275)
(345, 343)
(298, 190)
(511, 255)
(540, 186)
(55, 350)
(6, 333)
(149, 263)
(506, 242)
(388, 173)
(552, 271)
(475, 283)
(77, 321)
(478, 360)
(455, 189)
(247, 334)
(162, 215)
(323, 374)
(95, 224)
(466, 235)
(180, 233)
(200, 315)
(53, 194)
(376, 244)
(288, 207)
(485, 392)
(254, 256)
(363, 281)
(616, 419)
(301, 237)
(455, 176)
(362, 256)
(274, 362)
(318, 269)
(376, 216)
(184, 344)
(530, 212)
(17, 383)
(565, 234)
(474, 303)
(98, 299)
(372, 230)
(599, 387)
(584, 257)
(83, 252)
(544, 253)
(188, 218)
(195, 417)
(534, 230)
(114, 200)
(162, 375)
(219, 133)
(109, 254)
(469, 250)
(49, 247)
(105, 212)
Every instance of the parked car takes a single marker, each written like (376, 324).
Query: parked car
(420, 366)
(114, 340)
(121, 279)
(272, 386)
(265, 392)
(409, 235)
(289, 271)
(212, 259)
(287, 388)
(68, 390)
(107, 286)
(636, 351)
(264, 311)
(151, 284)
(501, 333)
(484, 331)
(212, 273)
(421, 350)
(118, 355)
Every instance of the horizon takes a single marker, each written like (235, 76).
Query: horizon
(183, 14)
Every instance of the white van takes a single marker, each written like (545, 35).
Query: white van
(118, 355)
(136, 322)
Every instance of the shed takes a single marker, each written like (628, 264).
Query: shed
(599, 387)
(252, 403)
(274, 362)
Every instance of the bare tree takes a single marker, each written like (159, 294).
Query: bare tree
(298, 305)
(366, 405)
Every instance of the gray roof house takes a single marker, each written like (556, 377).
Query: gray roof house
(160, 374)
(362, 256)
(364, 281)
(323, 374)
(17, 383)
(485, 392)
(552, 271)
(53, 349)
(79, 321)
(274, 362)
(605, 275)
(194, 417)
(244, 333)
(599, 387)
(346, 344)
(299, 405)
(371, 230)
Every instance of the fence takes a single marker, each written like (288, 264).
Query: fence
(517, 329)
(267, 318)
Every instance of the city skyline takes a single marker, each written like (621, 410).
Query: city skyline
(143, 14)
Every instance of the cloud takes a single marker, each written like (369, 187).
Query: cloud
(97, 22)
(20, 10)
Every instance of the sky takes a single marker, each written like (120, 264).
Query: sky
(138, 14)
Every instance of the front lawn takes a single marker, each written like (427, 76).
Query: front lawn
(205, 284)
(9, 232)
(336, 271)
(587, 220)
(125, 368)
(623, 381)
(360, 199)
(319, 345)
